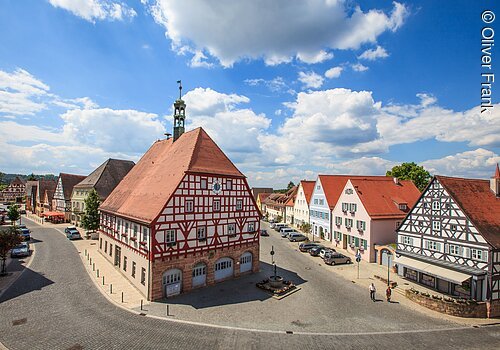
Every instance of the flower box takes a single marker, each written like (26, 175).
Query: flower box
(143, 243)
(133, 238)
(124, 234)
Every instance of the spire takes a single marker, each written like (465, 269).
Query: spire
(179, 114)
(497, 173)
(495, 182)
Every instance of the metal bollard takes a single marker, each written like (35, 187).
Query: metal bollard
(93, 267)
(85, 252)
(110, 288)
(141, 304)
(103, 280)
(168, 311)
(97, 273)
(122, 297)
(90, 261)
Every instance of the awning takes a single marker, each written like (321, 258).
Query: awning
(437, 271)
(52, 213)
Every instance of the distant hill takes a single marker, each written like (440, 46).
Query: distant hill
(8, 178)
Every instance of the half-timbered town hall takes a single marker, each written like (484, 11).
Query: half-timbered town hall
(182, 218)
(450, 240)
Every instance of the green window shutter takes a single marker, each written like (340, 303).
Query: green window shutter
(356, 241)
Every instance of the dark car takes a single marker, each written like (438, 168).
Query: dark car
(22, 211)
(25, 233)
(315, 250)
(264, 233)
(336, 258)
(304, 247)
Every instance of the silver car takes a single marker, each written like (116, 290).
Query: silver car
(296, 237)
(336, 258)
(21, 250)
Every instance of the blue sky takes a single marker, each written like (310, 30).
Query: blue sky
(287, 89)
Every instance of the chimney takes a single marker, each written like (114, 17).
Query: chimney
(396, 181)
(495, 182)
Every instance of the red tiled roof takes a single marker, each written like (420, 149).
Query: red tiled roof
(68, 182)
(145, 190)
(292, 195)
(308, 187)
(44, 185)
(478, 202)
(381, 196)
(333, 185)
(263, 196)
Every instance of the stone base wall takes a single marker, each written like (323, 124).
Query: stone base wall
(186, 263)
(493, 309)
(472, 310)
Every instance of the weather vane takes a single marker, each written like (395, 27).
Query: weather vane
(180, 88)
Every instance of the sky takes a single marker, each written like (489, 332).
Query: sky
(287, 89)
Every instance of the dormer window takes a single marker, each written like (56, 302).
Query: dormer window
(436, 205)
(403, 206)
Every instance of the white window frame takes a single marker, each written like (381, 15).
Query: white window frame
(229, 185)
(251, 226)
(436, 205)
(201, 233)
(433, 245)
(353, 207)
(454, 249)
(239, 204)
(171, 237)
(203, 183)
(231, 229)
(189, 206)
(338, 220)
(436, 225)
(361, 225)
(478, 254)
(407, 240)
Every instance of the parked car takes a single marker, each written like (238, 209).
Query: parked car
(22, 226)
(264, 233)
(296, 237)
(72, 233)
(279, 226)
(25, 232)
(304, 247)
(326, 252)
(337, 258)
(285, 232)
(22, 211)
(20, 250)
(315, 250)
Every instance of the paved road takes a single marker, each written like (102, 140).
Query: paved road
(55, 305)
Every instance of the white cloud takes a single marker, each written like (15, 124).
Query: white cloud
(231, 31)
(362, 166)
(358, 67)
(373, 54)
(92, 10)
(277, 84)
(21, 93)
(311, 80)
(334, 72)
(478, 163)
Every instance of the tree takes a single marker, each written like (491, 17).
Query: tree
(90, 219)
(2, 175)
(9, 238)
(411, 171)
(32, 177)
(306, 228)
(13, 213)
(290, 185)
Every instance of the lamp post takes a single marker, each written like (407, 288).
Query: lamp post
(388, 267)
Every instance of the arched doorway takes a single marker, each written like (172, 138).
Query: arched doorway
(172, 282)
(246, 262)
(223, 268)
(199, 274)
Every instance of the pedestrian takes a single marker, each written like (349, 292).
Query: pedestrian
(372, 291)
(388, 293)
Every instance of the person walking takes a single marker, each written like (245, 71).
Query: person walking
(372, 291)
(388, 293)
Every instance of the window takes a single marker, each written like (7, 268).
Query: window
(118, 225)
(348, 223)
(436, 205)
(203, 184)
(321, 202)
(229, 185)
(364, 244)
(352, 207)
(100, 243)
(338, 220)
(126, 227)
(251, 227)
(478, 254)
(337, 235)
(133, 269)
(345, 206)
(201, 233)
(453, 227)
(124, 263)
(403, 206)
(315, 200)
(361, 225)
(231, 229)
(216, 205)
(455, 249)
(406, 240)
(135, 231)
(170, 238)
(431, 245)
(110, 250)
(144, 234)
(327, 216)
(189, 206)
(318, 187)
(436, 225)
(143, 276)
(105, 246)
(239, 204)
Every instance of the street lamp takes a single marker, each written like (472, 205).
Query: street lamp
(388, 267)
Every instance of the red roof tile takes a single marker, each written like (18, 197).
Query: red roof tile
(263, 196)
(478, 202)
(145, 190)
(308, 187)
(68, 182)
(381, 196)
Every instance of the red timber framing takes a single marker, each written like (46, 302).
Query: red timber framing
(207, 212)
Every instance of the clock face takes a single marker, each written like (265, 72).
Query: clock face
(216, 187)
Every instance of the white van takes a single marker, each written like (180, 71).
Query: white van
(279, 226)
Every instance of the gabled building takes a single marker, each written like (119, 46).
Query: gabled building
(261, 199)
(450, 240)
(289, 205)
(368, 212)
(103, 180)
(276, 204)
(301, 206)
(41, 187)
(182, 218)
(14, 192)
(30, 193)
(62, 196)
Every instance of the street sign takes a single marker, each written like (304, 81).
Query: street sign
(358, 257)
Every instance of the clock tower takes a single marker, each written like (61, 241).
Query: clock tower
(179, 114)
